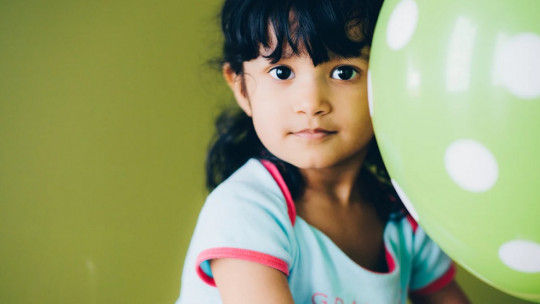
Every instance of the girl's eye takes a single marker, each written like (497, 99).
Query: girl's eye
(344, 72)
(281, 73)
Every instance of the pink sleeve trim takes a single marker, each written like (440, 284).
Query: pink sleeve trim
(291, 208)
(241, 254)
(444, 280)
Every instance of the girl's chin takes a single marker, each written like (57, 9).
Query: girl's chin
(320, 162)
(315, 163)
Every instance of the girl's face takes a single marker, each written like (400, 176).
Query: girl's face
(311, 117)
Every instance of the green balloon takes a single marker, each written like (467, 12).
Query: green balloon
(455, 100)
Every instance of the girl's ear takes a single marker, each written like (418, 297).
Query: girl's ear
(236, 84)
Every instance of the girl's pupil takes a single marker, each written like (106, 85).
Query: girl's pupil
(345, 73)
(283, 73)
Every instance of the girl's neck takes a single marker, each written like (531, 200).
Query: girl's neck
(337, 184)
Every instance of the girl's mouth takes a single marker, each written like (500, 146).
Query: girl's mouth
(317, 133)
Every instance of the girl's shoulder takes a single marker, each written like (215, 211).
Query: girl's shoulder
(245, 217)
(255, 188)
(404, 229)
(405, 233)
(251, 179)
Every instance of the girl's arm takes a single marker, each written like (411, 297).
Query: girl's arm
(242, 281)
(449, 294)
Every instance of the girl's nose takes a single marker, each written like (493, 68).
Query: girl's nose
(312, 99)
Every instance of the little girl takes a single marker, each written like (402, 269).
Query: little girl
(301, 210)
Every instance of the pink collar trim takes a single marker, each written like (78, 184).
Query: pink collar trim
(273, 170)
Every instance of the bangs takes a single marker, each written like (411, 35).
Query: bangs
(318, 27)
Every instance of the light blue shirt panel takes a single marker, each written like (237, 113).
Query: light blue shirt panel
(324, 273)
(249, 211)
(429, 261)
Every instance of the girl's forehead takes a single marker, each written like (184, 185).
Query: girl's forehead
(287, 52)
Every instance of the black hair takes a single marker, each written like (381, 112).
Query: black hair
(319, 27)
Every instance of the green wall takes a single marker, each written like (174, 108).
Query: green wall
(106, 108)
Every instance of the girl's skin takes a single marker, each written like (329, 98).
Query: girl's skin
(317, 119)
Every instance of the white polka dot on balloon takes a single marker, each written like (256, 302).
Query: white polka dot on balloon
(471, 165)
(405, 200)
(370, 93)
(518, 65)
(402, 24)
(520, 255)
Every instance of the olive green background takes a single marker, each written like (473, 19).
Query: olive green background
(106, 109)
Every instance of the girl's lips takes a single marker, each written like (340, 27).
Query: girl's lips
(317, 133)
